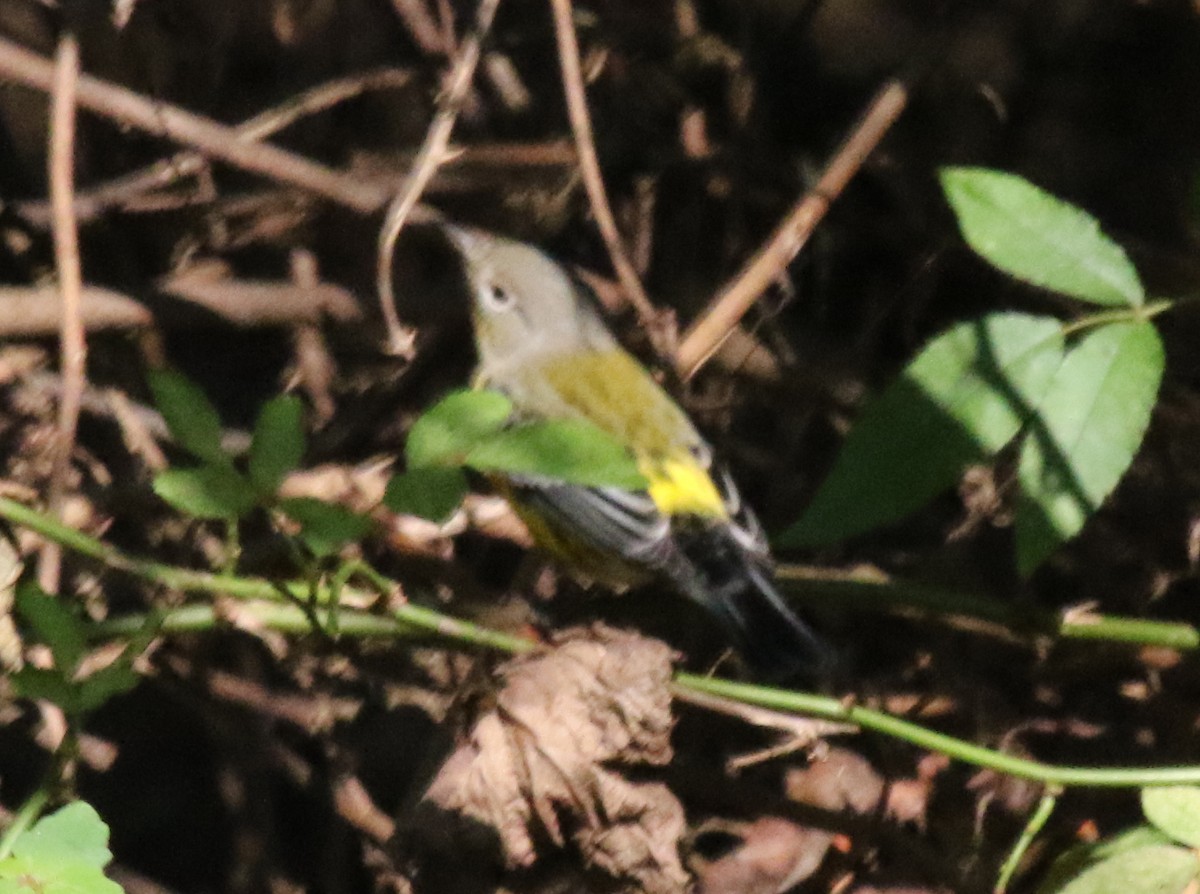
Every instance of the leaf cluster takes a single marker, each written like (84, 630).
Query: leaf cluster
(1077, 395)
(216, 488)
(68, 683)
(1158, 857)
(474, 429)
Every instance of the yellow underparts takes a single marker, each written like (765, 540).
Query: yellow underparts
(682, 487)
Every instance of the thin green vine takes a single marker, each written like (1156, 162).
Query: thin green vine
(265, 600)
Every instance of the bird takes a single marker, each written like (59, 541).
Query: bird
(542, 343)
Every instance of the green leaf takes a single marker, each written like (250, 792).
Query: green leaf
(959, 401)
(54, 624)
(448, 430)
(72, 834)
(206, 491)
(1175, 810)
(190, 417)
(50, 684)
(567, 450)
(1089, 426)
(64, 853)
(115, 679)
(1077, 858)
(1154, 869)
(431, 493)
(325, 527)
(1030, 234)
(278, 443)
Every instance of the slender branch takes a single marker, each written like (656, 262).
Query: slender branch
(247, 588)
(72, 345)
(589, 164)
(422, 26)
(33, 310)
(431, 156)
(280, 616)
(1123, 315)
(889, 595)
(959, 749)
(1039, 819)
(707, 333)
(93, 202)
(214, 140)
(286, 617)
(825, 707)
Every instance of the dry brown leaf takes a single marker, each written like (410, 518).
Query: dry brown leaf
(541, 771)
(838, 780)
(773, 855)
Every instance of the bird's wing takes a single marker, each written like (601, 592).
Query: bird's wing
(606, 520)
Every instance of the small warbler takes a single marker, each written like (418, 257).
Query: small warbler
(542, 343)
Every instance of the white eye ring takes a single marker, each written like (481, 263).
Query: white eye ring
(496, 296)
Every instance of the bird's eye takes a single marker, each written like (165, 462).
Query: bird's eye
(496, 296)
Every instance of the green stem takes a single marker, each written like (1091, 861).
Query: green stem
(462, 631)
(1040, 816)
(24, 818)
(280, 616)
(1123, 315)
(292, 619)
(887, 595)
(247, 588)
(288, 617)
(877, 721)
(156, 572)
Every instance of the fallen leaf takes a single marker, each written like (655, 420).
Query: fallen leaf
(541, 772)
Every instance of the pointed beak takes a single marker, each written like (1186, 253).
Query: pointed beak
(470, 242)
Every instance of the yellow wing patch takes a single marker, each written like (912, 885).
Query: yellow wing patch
(681, 486)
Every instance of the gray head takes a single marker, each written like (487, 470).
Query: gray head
(523, 304)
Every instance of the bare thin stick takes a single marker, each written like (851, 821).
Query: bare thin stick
(354, 804)
(712, 327)
(422, 26)
(589, 164)
(801, 732)
(72, 346)
(34, 310)
(432, 154)
(214, 140)
(93, 202)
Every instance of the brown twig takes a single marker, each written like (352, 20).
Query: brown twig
(707, 333)
(93, 202)
(589, 166)
(72, 345)
(422, 26)
(214, 140)
(799, 732)
(314, 364)
(257, 303)
(33, 311)
(354, 804)
(741, 353)
(431, 156)
(551, 154)
(506, 81)
(138, 422)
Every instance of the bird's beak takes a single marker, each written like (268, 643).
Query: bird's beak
(470, 242)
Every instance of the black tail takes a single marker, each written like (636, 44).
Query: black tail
(738, 587)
